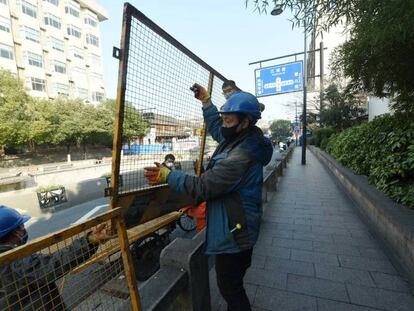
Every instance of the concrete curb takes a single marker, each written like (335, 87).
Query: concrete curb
(392, 222)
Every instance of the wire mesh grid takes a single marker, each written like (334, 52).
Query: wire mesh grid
(59, 276)
(161, 115)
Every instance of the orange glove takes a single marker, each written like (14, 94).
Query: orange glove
(200, 92)
(156, 174)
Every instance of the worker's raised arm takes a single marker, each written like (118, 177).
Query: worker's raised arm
(210, 112)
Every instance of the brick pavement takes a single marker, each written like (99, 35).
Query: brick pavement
(315, 253)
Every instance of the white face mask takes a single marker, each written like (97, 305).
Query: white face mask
(169, 164)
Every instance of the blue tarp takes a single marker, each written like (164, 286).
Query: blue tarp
(146, 149)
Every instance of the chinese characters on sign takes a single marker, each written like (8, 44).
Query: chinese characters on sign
(279, 79)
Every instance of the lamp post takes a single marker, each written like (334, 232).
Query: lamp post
(277, 10)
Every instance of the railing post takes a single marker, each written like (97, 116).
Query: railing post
(128, 265)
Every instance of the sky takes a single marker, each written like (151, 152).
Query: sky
(224, 33)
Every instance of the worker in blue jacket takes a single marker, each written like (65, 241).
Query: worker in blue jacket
(231, 186)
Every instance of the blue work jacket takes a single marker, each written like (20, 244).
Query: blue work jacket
(231, 186)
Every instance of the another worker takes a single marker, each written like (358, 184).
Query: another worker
(169, 161)
(231, 186)
(29, 283)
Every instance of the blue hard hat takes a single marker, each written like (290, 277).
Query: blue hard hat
(10, 219)
(242, 102)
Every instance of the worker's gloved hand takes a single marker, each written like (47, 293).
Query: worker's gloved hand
(156, 174)
(100, 235)
(200, 92)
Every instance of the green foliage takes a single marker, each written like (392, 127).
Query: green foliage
(320, 136)
(342, 109)
(383, 150)
(42, 123)
(13, 107)
(134, 124)
(26, 121)
(320, 15)
(280, 129)
(378, 56)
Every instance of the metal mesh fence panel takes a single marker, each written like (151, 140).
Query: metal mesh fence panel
(61, 272)
(160, 115)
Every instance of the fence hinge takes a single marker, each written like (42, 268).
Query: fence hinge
(116, 53)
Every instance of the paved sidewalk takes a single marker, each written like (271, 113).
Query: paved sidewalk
(315, 253)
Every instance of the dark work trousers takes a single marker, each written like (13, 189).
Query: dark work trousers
(230, 271)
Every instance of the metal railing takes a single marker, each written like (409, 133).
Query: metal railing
(40, 275)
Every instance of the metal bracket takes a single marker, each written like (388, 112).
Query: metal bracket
(116, 53)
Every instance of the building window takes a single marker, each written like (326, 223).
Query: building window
(98, 96)
(38, 85)
(76, 52)
(53, 20)
(4, 24)
(95, 79)
(57, 44)
(82, 93)
(54, 2)
(61, 89)
(6, 51)
(77, 55)
(74, 31)
(69, 9)
(34, 59)
(79, 76)
(29, 9)
(31, 34)
(59, 67)
(91, 21)
(94, 60)
(91, 39)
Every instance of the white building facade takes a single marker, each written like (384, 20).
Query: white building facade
(54, 47)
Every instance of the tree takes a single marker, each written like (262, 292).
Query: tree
(13, 106)
(343, 108)
(378, 57)
(134, 125)
(280, 129)
(72, 120)
(100, 125)
(42, 123)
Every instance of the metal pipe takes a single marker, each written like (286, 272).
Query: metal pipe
(321, 74)
(284, 56)
(304, 93)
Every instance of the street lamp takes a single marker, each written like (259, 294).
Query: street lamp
(277, 10)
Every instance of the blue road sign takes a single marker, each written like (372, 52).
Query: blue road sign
(279, 79)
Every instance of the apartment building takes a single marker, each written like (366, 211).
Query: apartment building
(54, 46)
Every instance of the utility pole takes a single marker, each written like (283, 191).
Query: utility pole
(296, 121)
(305, 76)
(321, 72)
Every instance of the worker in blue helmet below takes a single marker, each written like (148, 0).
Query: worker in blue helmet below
(29, 283)
(232, 187)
